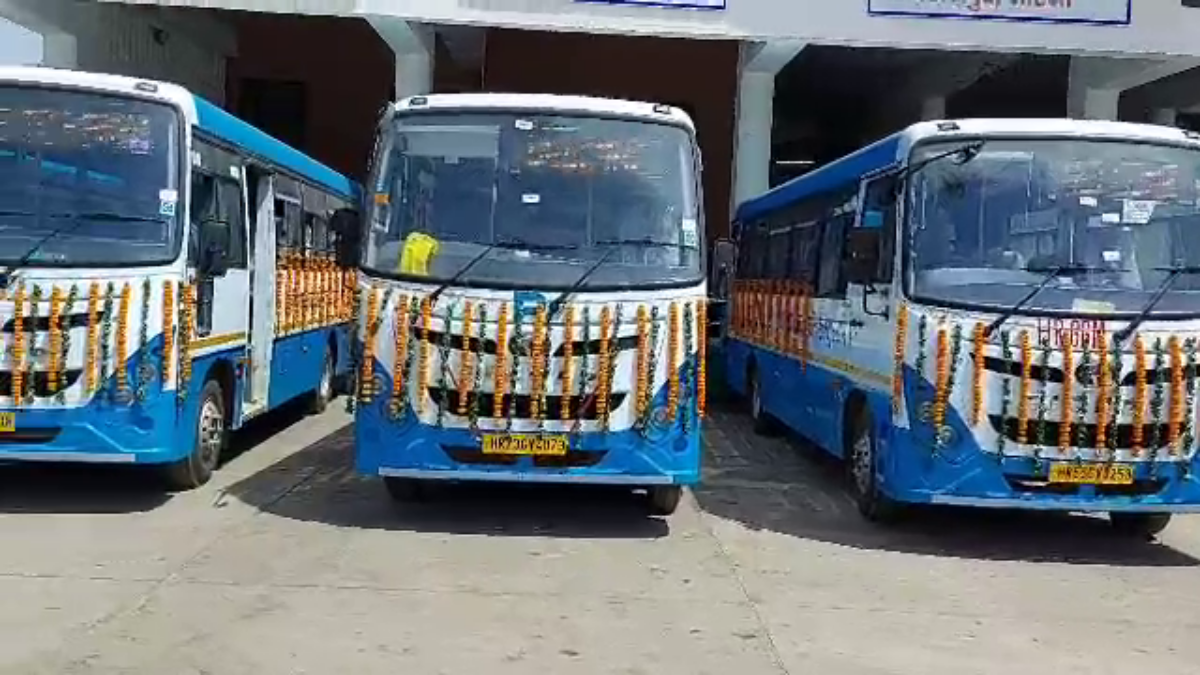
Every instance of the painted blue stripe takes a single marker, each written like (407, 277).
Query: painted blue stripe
(871, 159)
(233, 130)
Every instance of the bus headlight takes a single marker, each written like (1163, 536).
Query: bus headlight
(658, 424)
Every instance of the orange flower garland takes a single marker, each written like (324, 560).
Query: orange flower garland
(898, 349)
(466, 364)
(977, 380)
(500, 374)
(537, 365)
(1024, 390)
(56, 355)
(367, 373)
(702, 356)
(943, 378)
(1139, 395)
(92, 349)
(1104, 384)
(673, 360)
(643, 361)
(168, 331)
(123, 338)
(568, 363)
(18, 368)
(1175, 412)
(603, 380)
(423, 373)
(1066, 410)
(401, 349)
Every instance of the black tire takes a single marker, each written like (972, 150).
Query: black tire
(861, 460)
(663, 500)
(212, 436)
(1140, 525)
(764, 424)
(320, 398)
(405, 490)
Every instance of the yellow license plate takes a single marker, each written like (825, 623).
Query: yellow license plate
(8, 422)
(1091, 474)
(505, 444)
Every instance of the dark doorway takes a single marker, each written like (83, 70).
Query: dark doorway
(278, 107)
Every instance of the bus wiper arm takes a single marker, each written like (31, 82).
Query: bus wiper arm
(1052, 273)
(557, 304)
(109, 216)
(23, 261)
(965, 153)
(1174, 274)
(507, 245)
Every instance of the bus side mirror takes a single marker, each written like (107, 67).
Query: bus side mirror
(346, 225)
(214, 248)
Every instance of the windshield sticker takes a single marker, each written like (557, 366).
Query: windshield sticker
(1112, 256)
(1138, 211)
(531, 198)
(1111, 218)
(1088, 200)
(689, 228)
(523, 125)
(167, 199)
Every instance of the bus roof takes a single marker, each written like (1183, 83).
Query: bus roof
(549, 102)
(893, 151)
(197, 112)
(258, 143)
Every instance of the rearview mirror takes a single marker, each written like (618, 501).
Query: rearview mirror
(346, 224)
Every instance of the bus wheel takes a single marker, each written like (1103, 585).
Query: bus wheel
(405, 489)
(764, 424)
(860, 467)
(320, 398)
(211, 435)
(1140, 525)
(664, 499)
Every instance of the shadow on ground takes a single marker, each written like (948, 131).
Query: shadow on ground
(30, 488)
(786, 486)
(319, 484)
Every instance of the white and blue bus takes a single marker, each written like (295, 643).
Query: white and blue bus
(167, 272)
(532, 283)
(996, 313)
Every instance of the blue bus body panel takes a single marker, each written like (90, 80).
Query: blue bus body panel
(230, 129)
(657, 456)
(297, 360)
(872, 159)
(146, 431)
(913, 470)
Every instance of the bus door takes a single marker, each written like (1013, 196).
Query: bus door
(218, 249)
(261, 186)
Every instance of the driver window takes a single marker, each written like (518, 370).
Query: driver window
(201, 207)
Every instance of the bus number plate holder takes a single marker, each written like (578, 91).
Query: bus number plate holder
(1091, 474)
(519, 444)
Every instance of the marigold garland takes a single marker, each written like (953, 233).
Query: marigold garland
(1139, 395)
(702, 360)
(106, 322)
(673, 357)
(1188, 433)
(366, 375)
(1103, 392)
(514, 372)
(423, 371)
(1175, 414)
(942, 393)
(1066, 412)
(584, 365)
(65, 327)
(18, 368)
(568, 364)
(977, 384)
(687, 382)
(466, 359)
(168, 332)
(500, 371)
(56, 355)
(1024, 389)
(1006, 395)
(477, 384)
(35, 300)
(642, 364)
(898, 348)
(121, 376)
(602, 367)
(537, 367)
(187, 332)
(1043, 409)
(92, 348)
(1156, 399)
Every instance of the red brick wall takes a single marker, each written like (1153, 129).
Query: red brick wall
(348, 69)
(700, 75)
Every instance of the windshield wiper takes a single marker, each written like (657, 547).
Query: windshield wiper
(613, 245)
(1174, 274)
(1052, 273)
(109, 216)
(499, 245)
(26, 257)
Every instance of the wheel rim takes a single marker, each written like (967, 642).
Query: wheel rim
(862, 462)
(326, 389)
(212, 432)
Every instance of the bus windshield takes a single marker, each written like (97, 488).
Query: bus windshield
(536, 200)
(86, 179)
(1106, 219)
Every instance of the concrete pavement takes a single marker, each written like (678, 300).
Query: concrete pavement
(289, 563)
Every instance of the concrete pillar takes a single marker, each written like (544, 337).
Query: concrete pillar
(1088, 103)
(1096, 83)
(50, 21)
(755, 116)
(1167, 117)
(413, 45)
(59, 50)
(933, 108)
